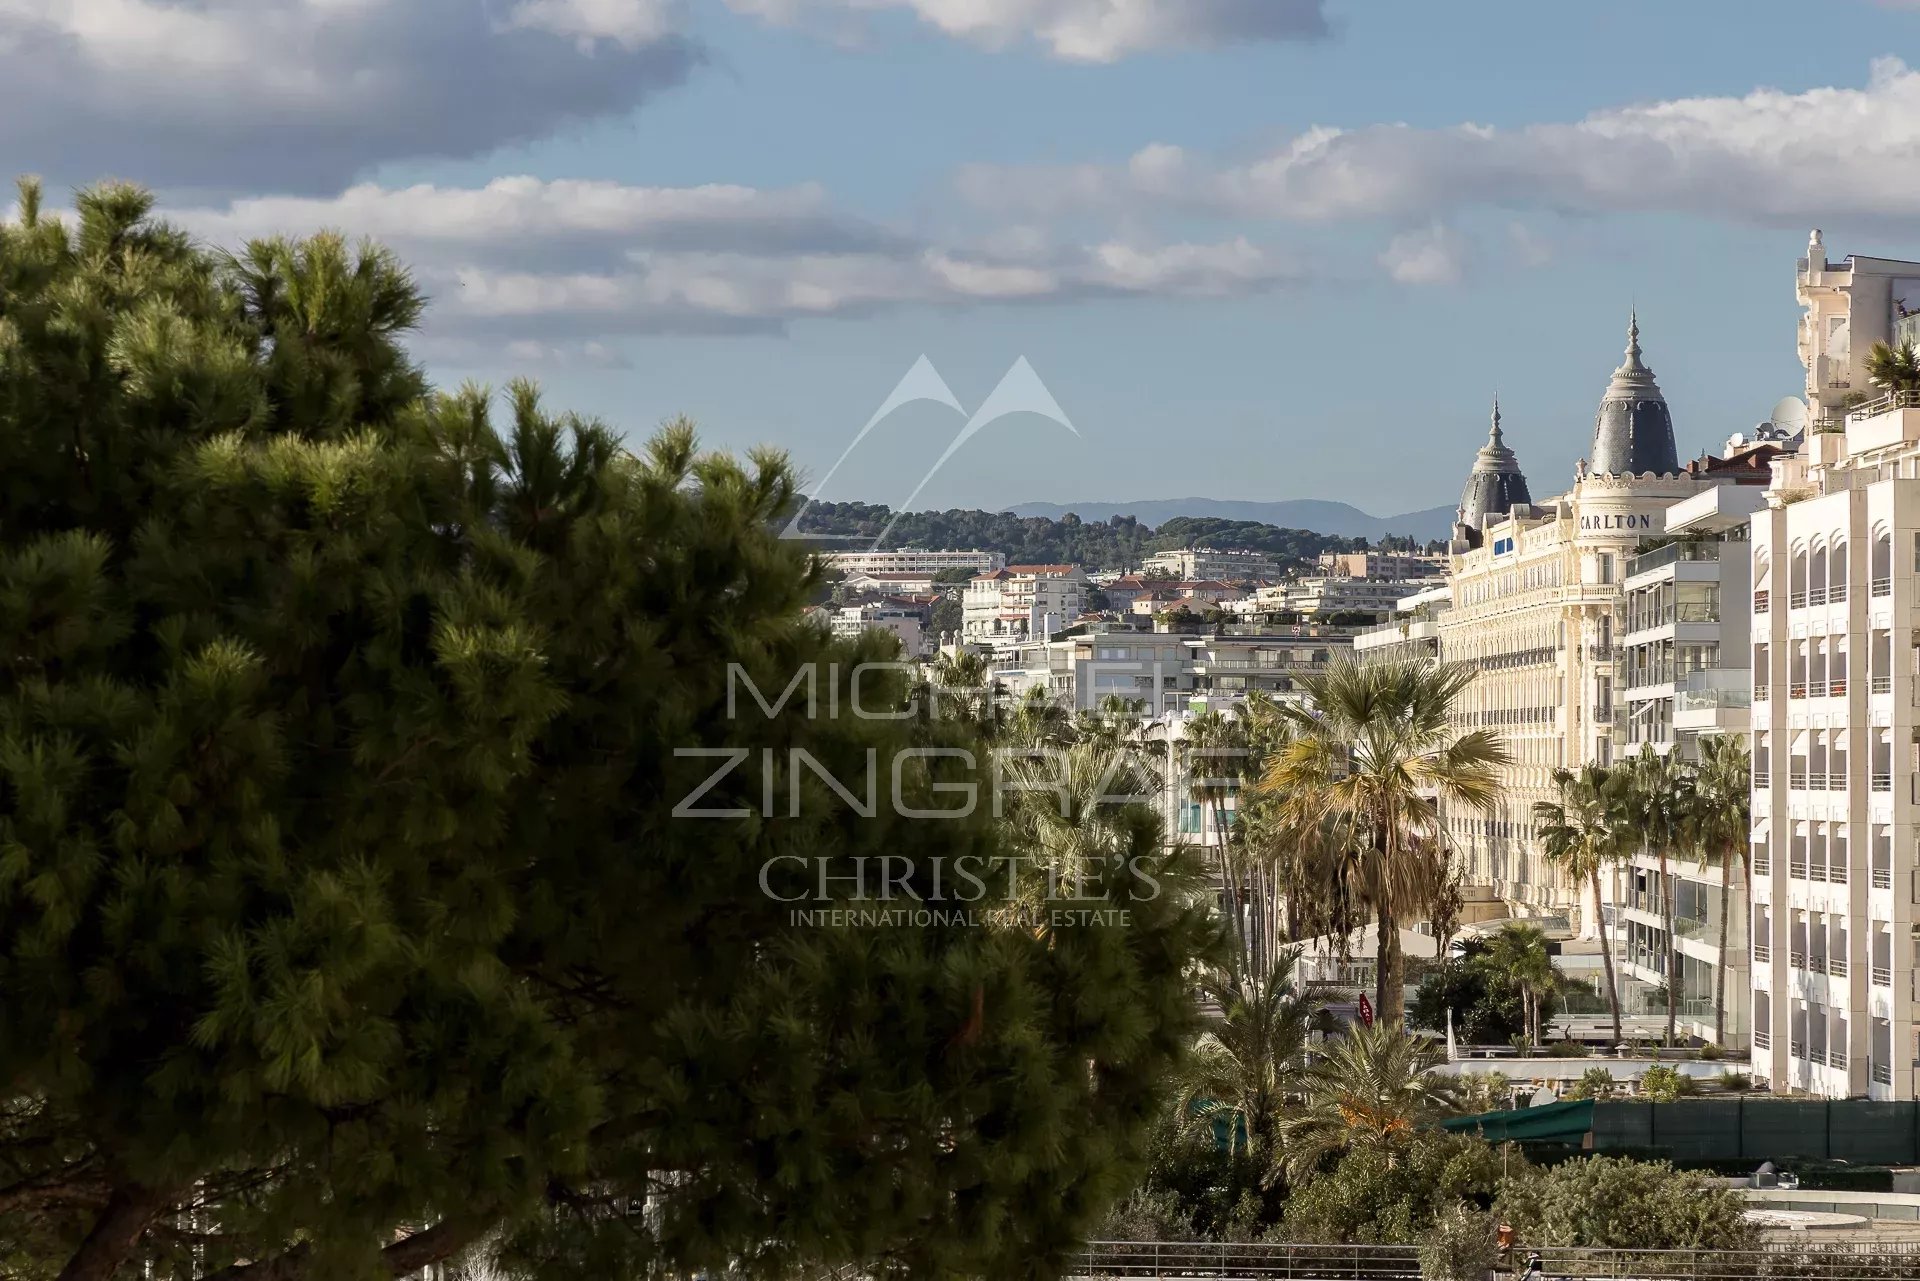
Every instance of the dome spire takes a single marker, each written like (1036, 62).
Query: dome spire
(1633, 432)
(1495, 485)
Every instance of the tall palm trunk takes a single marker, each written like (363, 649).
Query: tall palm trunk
(1673, 946)
(1389, 985)
(1606, 958)
(1727, 861)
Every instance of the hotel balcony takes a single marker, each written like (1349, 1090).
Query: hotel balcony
(1713, 700)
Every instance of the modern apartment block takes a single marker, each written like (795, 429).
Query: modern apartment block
(1836, 711)
(1391, 565)
(907, 625)
(1085, 664)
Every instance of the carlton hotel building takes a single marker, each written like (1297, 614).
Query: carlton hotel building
(1538, 597)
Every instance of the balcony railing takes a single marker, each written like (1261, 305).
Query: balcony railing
(1797, 690)
(1837, 1058)
(1838, 968)
(1798, 1049)
(1762, 692)
(1883, 587)
(1881, 975)
(1816, 689)
(1762, 602)
(1762, 952)
(1797, 780)
(1880, 685)
(1796, 958)
(1797, 868)
(1882, 878)
(1762, 864)
(1797, 600)
(1816, 596)
(1837, 594)
(1837, 873)
(1762, 1040)
(1837, 689)
(1883, 782)
(1882, 1073)
(1672, 553)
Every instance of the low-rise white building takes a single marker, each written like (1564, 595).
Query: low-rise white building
(905, 624)
(914, 560)
(1207, 562)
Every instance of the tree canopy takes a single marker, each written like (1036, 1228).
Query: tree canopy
(355, 910)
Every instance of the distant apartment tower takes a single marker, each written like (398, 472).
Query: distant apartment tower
(1208, 563)
(914, 560)
(1836, 709)
(1022, 600)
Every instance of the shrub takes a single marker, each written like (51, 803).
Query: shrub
(1663, 1084)
(1736, 1081)
(1568, 1050)
(1618, 1203)
(1712, 1053)
(1392, 1194)
(1594, 1083)
(1462, 1245)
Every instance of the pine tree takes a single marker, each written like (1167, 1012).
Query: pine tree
(347, 924)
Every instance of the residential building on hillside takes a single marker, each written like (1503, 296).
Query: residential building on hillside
(1326, 597)
(904, 583)
(914, 560)
(1207, 562)
(1392, 565)
(1836, 711)
(1536, 603)
(1022, 601)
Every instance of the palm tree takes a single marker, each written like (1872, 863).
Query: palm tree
(1374, 1088)
(1517, 956)
(1371, 760)
(1717, 824)
(1582, 832)
(1038, 721)
(1895, 368)
(963, 685)
(1216, 751)
(1656, 799)
(1250, 1064)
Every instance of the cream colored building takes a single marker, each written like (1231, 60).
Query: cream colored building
(1537, 609)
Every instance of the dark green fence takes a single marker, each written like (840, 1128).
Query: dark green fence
(1856, 1131)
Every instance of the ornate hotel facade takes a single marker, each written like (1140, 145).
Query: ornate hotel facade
(1538, 594)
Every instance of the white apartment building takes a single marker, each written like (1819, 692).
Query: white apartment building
(1022, 601)
(1683, 674)
(1414, 632)
(1325, 597)
(1836, 711)
(1207, 562)
(906, 625)
(913, 560)
(1270, 661)
(1096, 660)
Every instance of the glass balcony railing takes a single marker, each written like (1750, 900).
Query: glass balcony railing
(1672, 553)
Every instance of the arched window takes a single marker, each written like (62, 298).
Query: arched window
(1882, 562)
(1817, 575)
(1837, 572)
(1797, 579)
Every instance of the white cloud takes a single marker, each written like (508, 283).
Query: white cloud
(557, 265)
(627, 23)
(1083, 30)
(1434, 255)
(306, 94)
(1769, 156)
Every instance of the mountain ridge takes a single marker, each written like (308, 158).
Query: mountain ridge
(1322, 516)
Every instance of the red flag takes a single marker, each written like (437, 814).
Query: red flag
(1366, 1010)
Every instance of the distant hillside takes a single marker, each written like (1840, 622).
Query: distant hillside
(1119, 542)
(1340, 520)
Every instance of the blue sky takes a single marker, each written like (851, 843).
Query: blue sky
(1256, 248)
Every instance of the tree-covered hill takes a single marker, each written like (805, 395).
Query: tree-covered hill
(1119, 543)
